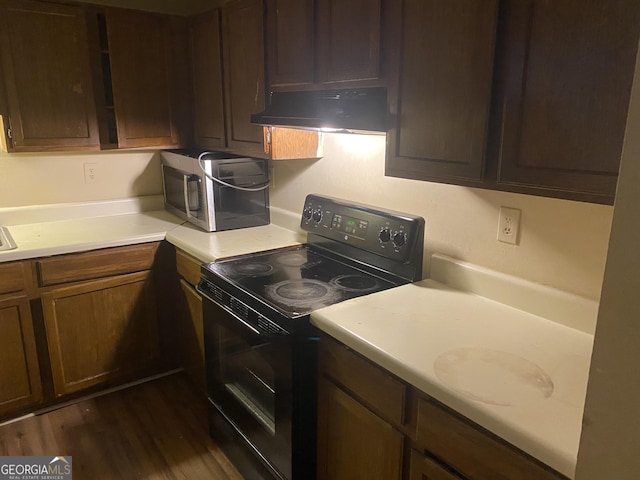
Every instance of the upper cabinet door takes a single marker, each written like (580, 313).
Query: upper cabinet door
(46, 71)
(243, 47)
(291, 42)
(206, 55)
(441, 92)
(317, 43)
(143, 79)
(565, 69)
(350, 35)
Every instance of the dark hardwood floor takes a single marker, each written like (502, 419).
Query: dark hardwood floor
(156, 430)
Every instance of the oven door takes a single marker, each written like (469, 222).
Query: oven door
(249, 381)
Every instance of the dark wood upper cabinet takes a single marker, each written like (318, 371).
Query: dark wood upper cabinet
(565, 70)
(350, 35)
(143, 78)
(208, 93)
(243, 61)
(440, 95)
(47, 76)
(316, 43)
(290, 42)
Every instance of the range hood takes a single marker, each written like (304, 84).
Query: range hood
(355, 110)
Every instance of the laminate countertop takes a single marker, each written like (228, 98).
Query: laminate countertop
(46, 230)
(514, 360)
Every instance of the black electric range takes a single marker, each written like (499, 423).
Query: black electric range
(259, 344)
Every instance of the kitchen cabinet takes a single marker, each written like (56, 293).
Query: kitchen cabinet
(473, 452)
(208, 92)
(99, 312)
(545, 114)
(191, 327)
(440, 93)
(373, 425)
(45, 68)
(145, 81)
(244, 77)
(358, 406)
(564, 72)
(325, 42)
(19, 369)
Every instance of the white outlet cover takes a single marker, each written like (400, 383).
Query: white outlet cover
(509, 225)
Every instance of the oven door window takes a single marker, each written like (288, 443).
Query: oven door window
(250, 381)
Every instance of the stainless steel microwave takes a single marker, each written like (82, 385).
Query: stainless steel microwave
(216, 190)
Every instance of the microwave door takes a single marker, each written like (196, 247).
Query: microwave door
(181, 192)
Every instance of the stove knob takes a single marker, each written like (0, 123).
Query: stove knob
(399, 239)
(317, 216)
(307, 213)
(385, 235)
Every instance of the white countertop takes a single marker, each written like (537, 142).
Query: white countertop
(519, 375)
(66, 228)
(510, 355)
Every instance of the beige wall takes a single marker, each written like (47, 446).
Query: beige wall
(610, 442)
(563, 243)
(36, 179)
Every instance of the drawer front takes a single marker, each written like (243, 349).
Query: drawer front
(375, 387)
(475, 453)
(424, 468)
(95, 264)
(188, 267)
(11, 277)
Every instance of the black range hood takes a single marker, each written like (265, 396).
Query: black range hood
(355, 110)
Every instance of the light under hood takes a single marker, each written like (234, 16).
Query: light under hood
(357, 110)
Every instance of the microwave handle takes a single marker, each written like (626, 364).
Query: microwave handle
(185, 191)
(186, 179)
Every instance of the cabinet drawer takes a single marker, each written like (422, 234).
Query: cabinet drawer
(11, 277)
(424, 468)
(95, 264)
(476, 454)
(374, 387)
(188, 267)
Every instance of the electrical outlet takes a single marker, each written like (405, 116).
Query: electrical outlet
(509, 225)
(90, 172)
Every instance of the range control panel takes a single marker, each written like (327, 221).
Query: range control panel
(385, 232)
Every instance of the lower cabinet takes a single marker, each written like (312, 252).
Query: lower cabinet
(354, 443)
(100, 330)
(372, 425)
(19, 372)
(191, 327)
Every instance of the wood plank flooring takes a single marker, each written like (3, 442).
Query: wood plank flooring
(156, 430)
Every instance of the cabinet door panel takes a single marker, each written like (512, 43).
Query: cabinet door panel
(19, 371)
(566, 73)
(441, 97)
(206, 51)
(244, 74)
(141, 78)
(290, 42)
(193, 336)
(46, 67)
(354, 443)
(349, 40)
(100, 330)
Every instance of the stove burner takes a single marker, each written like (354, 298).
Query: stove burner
(355, 283)
(301, 293)
(255, 269)
(295, 259)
